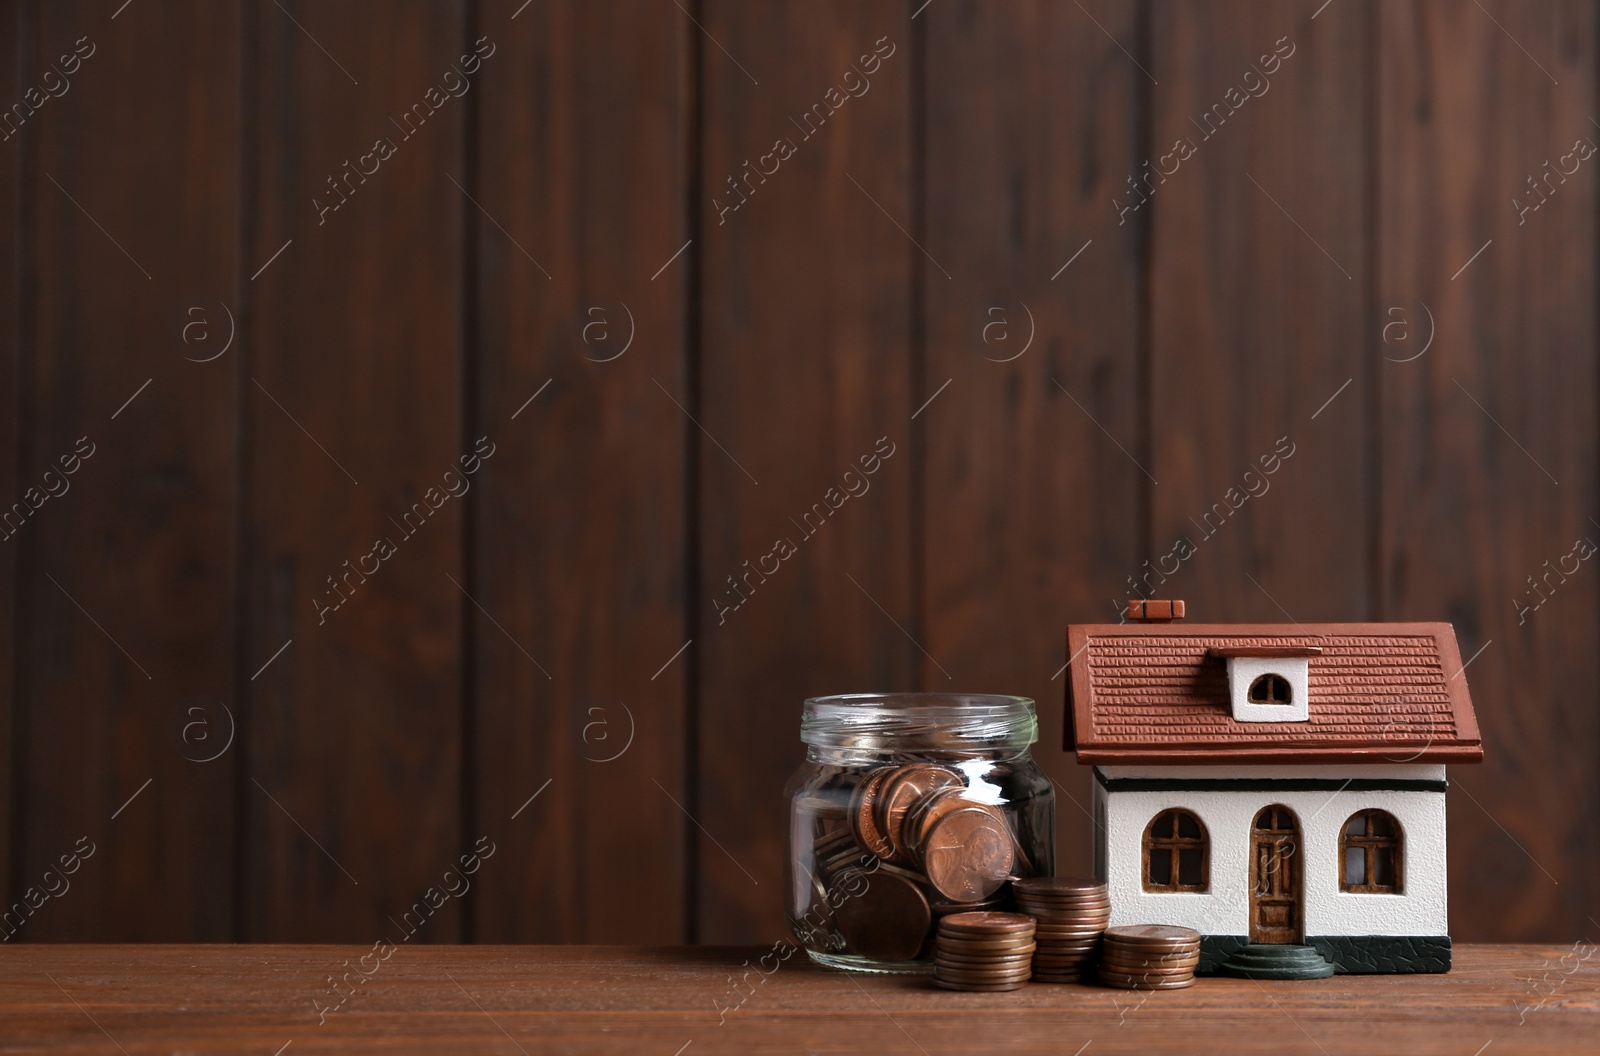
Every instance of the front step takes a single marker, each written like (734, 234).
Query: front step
(1260, 961)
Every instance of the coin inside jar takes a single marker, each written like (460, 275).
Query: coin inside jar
(884, 916)
(864, 813)
(968, 854)
(908, 786)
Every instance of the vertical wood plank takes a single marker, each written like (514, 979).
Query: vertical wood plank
(129, 568)
(580, 546)
(806, 309)
(1489, 439)
(355, 403)
(12, 28)
(1030, 509)
(1258, 284)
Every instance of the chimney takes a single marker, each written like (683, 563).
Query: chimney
(1143, 610)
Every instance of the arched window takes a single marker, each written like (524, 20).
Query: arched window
(1269, 689)
(1371, 854)
(1177, 853)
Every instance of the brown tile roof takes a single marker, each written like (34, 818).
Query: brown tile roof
(1378, 692)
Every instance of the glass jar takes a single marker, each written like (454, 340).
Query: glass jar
(910, 806)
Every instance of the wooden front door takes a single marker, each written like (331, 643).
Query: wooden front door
(1275, 894)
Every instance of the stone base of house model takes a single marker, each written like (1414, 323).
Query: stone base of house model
(1349, 954)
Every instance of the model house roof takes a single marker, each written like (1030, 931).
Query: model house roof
(1159, 693)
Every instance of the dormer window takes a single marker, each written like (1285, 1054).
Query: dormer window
(1268, 683)
(1270, 689)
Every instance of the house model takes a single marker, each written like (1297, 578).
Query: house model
(1280, 788)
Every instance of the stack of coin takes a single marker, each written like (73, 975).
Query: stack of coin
(836, 851)
(1149, 957)
(983, 951)
(1071, 914)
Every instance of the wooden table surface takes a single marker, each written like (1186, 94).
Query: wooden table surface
(610, 999)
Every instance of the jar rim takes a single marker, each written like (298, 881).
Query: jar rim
(886, 721)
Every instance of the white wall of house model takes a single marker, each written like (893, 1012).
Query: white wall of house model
(1228, 816)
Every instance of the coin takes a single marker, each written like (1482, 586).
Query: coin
(905, 788)
(1114, 953)
(1147, 969)
(944, 907)
(991, 988)
(863, 813)
(1046, 909)
(968, 855)
(1052, 909)
(1139, 983)
(945, 955)
(981, 976)
(945, 948)
(1085, 930)
(931, 809)
(986, 923)
(888, 920)
(979, 943)
(967, 974)
(1050, 886)
(1153, 935)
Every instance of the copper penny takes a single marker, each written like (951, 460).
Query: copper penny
(960, 975)
(944, 907)
(863, 813)
(979, 943)
(1133, 968)
(1140, 964)
(1069, 928)
(1062, 909)
(1012, 957)
(1148, 974)
(908, 786)
(944, 955)
(968, 855)
(1150, 956)
(991, 988)
(1135, 983)
(998, 970)
(987, 923)
(1062, 942)
(1152, 934)
(1033, 909)
(927, 813)
(888, 920)
(1059, 885)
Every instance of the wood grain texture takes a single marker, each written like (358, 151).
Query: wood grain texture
(13, 27)
(1021, 541)
(356, 410)
(788, 308)
(1498, 418)
(805, 367)
(130, 566)
(582, 160)
(1257, 291)
(626, 1000)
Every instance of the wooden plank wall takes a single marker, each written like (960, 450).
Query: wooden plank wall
(659, 275)
(1488, 445)
(128, 571)
(583, 158)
